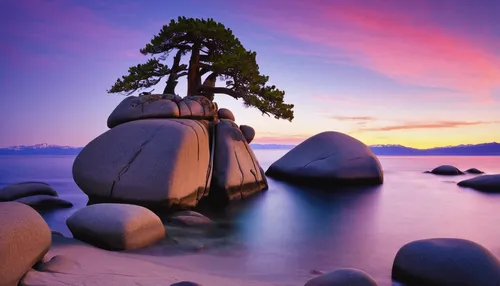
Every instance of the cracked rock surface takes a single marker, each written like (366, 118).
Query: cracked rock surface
(149, 161)
(328, 157)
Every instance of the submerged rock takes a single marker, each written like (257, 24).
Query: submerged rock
(446, 261)
(485, 183)
(236, 171)
(43, 202)
(474, 171)
(26, 189)
(58, 264)
(116, 226)
(446, 170)
(190, 218)
(147, 162)
(343, 277)
(24, 239)
(328, 157)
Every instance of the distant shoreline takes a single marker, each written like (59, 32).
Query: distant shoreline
(486, 149)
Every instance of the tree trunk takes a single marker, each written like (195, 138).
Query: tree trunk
(194, 77)
(172, 77)
(210, 83)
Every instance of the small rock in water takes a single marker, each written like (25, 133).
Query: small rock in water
(343, 277)
(316, 272)
(185, 283)
(485, 183)
(26, 189)
(446, 170)
(474, 171)
(44, 202)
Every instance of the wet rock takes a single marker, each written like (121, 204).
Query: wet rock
(44, 202)
(485, 183)
(26, 189)
(343, 277)
(446, 261)
(446, 170)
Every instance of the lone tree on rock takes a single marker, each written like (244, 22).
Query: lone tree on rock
(215, 51)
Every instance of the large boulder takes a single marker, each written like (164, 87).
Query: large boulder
(446, 170)
(343, 277)
(446, 261)
(485, 183)
(116, 226)
(236, 171)
(161, 106)
(146, 162)
(25, 189)
(328, 157)
(24, 240)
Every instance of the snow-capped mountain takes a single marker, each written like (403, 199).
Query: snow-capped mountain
(40, 149)
(484, 149)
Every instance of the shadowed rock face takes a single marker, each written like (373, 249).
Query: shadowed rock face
(236, 173)
(225, 113)
(161, 106)
(343, 277)
(328, 157)
(446, 262)
(248, 133)
(26, 189)
(24, 239)
(447, 170)
(116, 226)
(149, 161)
(485, 183)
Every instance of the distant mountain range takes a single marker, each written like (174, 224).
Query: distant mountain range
(485, 149)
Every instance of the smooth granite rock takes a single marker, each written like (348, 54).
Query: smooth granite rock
(144, 106)
(24, 240)
(343, 277)
(196, 107)
(147, 162)
(446, 262)
(43, 202)
(225, 113)
(236, 171)
(248, 133)
(328, 158)
(25, 189)
(485, 183)
(446, 170)
(116, 226)
(474, 171)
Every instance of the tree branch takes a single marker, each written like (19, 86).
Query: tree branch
(224, 90)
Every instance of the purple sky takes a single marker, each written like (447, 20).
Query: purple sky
(423, 73)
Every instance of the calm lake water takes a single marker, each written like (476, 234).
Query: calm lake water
(289, 231)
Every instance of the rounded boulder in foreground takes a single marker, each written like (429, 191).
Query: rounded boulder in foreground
(116, 226)
(24, 240)
(225, 113)
(26, 189)
(343, 277)
(485, 183)
(328, 157)
(446, 261)
(446, 170)
(248, 132)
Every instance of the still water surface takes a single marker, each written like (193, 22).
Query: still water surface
(289, 231)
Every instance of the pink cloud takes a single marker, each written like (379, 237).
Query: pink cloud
(433, 125)
(267, 138)
(401, 46)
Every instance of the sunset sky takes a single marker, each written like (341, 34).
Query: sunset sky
(420, 73)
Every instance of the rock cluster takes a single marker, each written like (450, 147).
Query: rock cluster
(163, 150)
(449, 170)
(39, 195)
